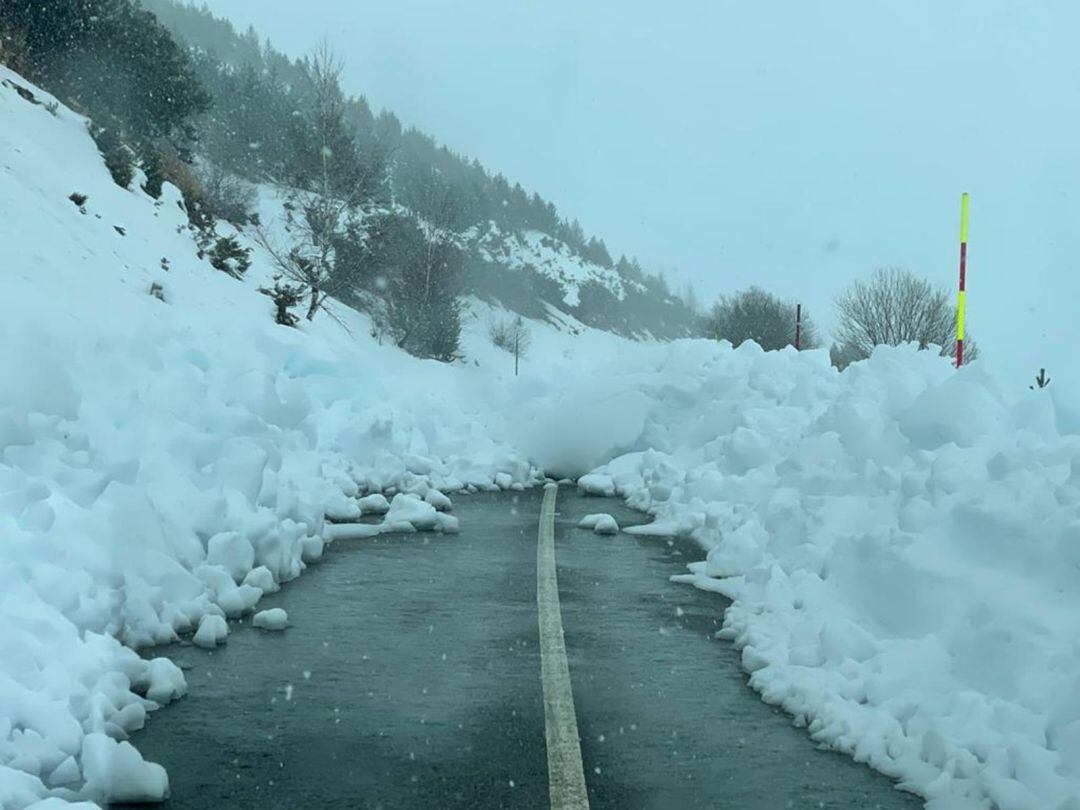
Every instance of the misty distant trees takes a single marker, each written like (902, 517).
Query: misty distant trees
(115, 62)
(511, 335)
(754, 314)
(892, 307)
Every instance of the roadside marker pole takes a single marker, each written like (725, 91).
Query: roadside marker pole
(798, 327)
(963, 280)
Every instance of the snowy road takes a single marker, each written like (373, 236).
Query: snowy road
(411, 678)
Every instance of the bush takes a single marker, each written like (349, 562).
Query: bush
(119, 159)
(756, 315)
(285, 297)
(227, 196)
(510, 334)
(228, 256)
(167, 167)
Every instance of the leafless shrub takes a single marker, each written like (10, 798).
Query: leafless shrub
(228, 196)
(892, 307)
(757, 315)
(512, 335)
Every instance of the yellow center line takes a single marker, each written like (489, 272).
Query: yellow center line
(566, 775)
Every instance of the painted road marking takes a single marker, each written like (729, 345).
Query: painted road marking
(566, 775)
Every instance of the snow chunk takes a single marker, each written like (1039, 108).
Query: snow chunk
(272, 619)
(263, 579)
(408, 509)
(353, 531)
(54, 803)
(164, 681)
(116, 772)
(448, 524)
(438, 500)
(597, 484)
(66, 773)
(212, 631)
(606, 525)
(601, 523)
(375, 504)
(233, 552)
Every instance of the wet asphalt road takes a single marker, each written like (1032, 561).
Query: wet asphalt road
(410, 679)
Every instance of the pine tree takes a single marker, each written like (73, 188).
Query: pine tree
(420, 271)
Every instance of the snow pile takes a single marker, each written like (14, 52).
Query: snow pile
(902, 545)
(163, 463)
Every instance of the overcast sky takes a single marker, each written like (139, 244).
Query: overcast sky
(794, 145)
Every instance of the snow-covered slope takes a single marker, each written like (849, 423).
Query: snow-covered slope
(902, 542)
(531, 272)
(537, 252)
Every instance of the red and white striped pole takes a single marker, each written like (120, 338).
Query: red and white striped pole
(798, 327)
(963, 280)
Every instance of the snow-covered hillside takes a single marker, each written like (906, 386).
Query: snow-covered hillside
(902, 542)
(531, 272)
(547, 256)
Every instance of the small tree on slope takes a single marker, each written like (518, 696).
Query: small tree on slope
(332, 188)
(512, 336)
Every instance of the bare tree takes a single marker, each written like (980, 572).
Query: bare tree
(513, 336)
(329, 193)
(754, 314)
(892, 307)
(228, 196)
(418, 270)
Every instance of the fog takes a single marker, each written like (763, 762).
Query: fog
(791, 145)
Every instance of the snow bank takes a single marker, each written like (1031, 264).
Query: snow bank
(163, 463)
(901, 543)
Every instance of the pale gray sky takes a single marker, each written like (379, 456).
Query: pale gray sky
(790, 144)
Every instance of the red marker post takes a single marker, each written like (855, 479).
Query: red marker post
(963, 280)
(798, 327)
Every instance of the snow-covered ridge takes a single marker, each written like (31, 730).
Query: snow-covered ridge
(538, 252)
